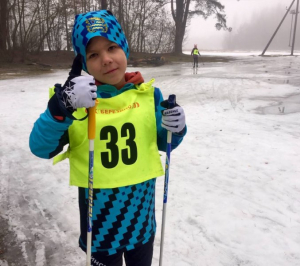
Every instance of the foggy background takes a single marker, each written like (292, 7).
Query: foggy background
(253, 23)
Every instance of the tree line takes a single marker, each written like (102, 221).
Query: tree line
(151, 26)
(262, 25)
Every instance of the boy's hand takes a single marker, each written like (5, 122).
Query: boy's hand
(173, 119)
(78, 91)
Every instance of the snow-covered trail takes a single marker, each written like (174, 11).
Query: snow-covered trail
(34, 194)
(234, 182)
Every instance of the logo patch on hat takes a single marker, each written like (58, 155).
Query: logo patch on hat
(96, 24)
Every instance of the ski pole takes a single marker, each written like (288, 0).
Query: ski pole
(171, 104)
(91, 137)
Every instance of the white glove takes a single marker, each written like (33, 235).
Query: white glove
(173, 119)
(80, 92)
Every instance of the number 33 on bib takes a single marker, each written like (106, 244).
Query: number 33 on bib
(125, 150)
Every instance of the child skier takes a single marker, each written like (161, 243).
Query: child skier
(195, 53)
(131, 126)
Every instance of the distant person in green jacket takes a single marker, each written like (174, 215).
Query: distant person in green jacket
(195, 53)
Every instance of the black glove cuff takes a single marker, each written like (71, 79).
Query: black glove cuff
(55, 110)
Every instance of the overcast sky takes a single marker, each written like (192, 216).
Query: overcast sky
(238, 12)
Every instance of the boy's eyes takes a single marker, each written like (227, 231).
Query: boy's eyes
(92, 55)
(110, 48)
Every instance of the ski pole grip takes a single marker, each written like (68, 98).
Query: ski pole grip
(92, 121)
(171, 101)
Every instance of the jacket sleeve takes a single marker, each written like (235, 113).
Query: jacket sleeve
(162, 132)
(48, 136)
(50, 132)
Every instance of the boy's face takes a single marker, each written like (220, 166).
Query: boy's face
(106, 62)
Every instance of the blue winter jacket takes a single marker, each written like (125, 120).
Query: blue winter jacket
(124, 217)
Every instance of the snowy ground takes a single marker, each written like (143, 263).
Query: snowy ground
(234, 182)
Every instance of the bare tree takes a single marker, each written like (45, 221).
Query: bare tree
(163, 34)
(142, 21)
(65, 16)
(103, 4)
(3, 24)
(27, 22)
(37, 25)
(181, 13)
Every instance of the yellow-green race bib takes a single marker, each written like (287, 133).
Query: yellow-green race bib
(125, 150)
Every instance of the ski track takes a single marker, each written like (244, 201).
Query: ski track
(233, 190)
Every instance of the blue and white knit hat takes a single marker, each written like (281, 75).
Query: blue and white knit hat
(97, 23)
